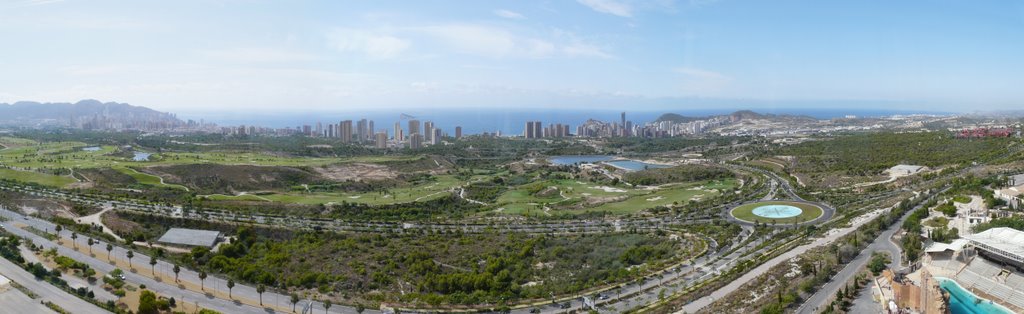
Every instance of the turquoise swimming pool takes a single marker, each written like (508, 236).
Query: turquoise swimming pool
(777, 211)
(962, 301)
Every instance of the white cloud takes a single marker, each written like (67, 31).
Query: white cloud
(371, 44)
(609, 6)
(258, 54)
(509, 14)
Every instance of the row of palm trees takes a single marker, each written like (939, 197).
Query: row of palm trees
(260, 289)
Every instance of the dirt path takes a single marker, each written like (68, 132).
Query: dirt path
(98, 220)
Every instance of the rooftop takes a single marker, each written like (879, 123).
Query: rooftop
(1007, 240)
(190, 237)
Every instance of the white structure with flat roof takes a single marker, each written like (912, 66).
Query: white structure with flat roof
(190, 237)
(1006, 243)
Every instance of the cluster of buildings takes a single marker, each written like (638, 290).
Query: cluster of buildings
(362, 132)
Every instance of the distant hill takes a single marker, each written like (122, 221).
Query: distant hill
(676, 118)
(89, 113)
(735, 116)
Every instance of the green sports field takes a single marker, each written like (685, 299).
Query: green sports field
(808, 212)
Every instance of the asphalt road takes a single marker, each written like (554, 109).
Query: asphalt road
(881, 243)
(170, 289)
(16, 302)
(46, 291)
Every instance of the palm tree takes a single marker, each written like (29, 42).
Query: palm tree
(90, 243)
(261, 289)
(152, 265)
(231, 284)
(110, 247)
(327, 306)
(130, 255)
(295, 299)
(74, 236)
(177, 269)
(58, 228)
(202, 280)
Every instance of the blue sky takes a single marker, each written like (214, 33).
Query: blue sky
(195, 56)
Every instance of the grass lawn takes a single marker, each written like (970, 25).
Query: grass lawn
(746, 212)
(421, 192)
(518, 201)
(35, 177)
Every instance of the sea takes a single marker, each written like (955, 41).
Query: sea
(508, 122)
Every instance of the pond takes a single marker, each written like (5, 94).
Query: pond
(577, 159)
(633, 165)
(962, 301)
(92, 149)
(777, 211)
(140, 156)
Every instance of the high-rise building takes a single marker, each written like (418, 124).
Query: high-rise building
(345, 131)
(436, 137)
(458, 132)
(307, 130)
(415, 141)
(382, 139)
(624, 124)
(362, 133)
(370, 128)
(414, 127)
(398, 132)
(536, 129)
(428, 131)
(528, 130)
(319, 129)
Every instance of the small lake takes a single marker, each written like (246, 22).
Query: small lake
(92, 149)
(633, 165)
(962, 301)
(577, 159)
(140, 156)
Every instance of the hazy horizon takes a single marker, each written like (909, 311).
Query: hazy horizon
(657, 55)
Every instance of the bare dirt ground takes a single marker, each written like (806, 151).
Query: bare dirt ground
(356, 172)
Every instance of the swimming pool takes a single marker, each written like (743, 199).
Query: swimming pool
(777, 211)
(962, 301)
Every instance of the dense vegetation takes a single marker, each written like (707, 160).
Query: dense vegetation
(684, 173)
(439, 268)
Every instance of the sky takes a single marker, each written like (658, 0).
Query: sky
(280, 56)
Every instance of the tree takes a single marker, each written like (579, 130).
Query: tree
(74, 237)
(130, 255)
(90, 243)
(261, 289)
(294, 300)
(110, 247)
(58, 228)
(231, 284)
(360, 308)
(202, 280)
(177, 269)
(148, 303)
(327, 306)
(152, 265)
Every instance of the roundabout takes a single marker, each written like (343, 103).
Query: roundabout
(779, 212)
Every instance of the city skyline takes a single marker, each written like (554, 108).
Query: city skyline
(593, 54)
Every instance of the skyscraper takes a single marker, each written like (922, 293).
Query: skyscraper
(428, 131)
(436, 137)
(414, 127)
(537, 126)
(458, 132)
(624, 132)
(362, 133)
(346, 131)
(382, 139)
(398, 132)
(369, 135)
(415, 141)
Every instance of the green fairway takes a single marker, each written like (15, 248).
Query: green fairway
(808, 212)
(617, 200)
(35, 177)
(421, 192)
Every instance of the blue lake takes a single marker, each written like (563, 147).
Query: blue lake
(633, 165)
(91, 149)
(140, 156)
(576, 159)
(962, 301)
